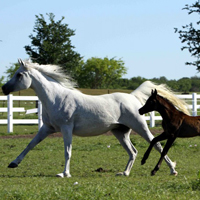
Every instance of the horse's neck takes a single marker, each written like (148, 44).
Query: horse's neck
(46, 88)
(166, 110)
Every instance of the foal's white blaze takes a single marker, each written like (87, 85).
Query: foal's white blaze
(67, 110)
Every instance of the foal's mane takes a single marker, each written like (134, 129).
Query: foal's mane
(55, 72)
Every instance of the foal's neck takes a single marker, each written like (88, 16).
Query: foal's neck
(166, 109)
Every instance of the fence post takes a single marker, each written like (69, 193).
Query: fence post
(194, 104)
(40, 123)
(10, 113)
(152, 119)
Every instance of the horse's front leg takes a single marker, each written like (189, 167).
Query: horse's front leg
(41, 135)
(67, 137)
(161, 137)
(163, 154)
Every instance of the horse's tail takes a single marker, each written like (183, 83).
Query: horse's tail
(143, 92)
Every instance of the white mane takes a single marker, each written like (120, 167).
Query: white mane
(55, 72)
(144, 91)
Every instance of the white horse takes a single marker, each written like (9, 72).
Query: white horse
(67, 110)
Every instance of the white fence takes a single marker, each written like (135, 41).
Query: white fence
(10, 110)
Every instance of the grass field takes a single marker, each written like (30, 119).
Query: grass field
(35, 176)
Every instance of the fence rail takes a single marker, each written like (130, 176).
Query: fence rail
(152, 117)
(10, 110)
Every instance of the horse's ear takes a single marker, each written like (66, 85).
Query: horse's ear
(155, 92)
(21, 62)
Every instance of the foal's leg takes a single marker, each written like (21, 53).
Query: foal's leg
(124, 139)
(161, 137)
(142, 129)
(164, 152)
(42, 134)
(67, 137)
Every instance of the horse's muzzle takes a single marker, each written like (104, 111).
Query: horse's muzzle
(5, 90)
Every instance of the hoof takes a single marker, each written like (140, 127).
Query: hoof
(62, 175)
(12, 165)
(153, 173)
(121, 174)
(175, 173)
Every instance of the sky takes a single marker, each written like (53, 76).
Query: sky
(141, 33)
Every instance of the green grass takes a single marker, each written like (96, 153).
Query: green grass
(35, 176)
(19, 130)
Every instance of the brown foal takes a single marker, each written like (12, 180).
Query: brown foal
(175, 124)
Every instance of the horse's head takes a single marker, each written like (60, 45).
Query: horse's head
(151, 103)
(20, 81)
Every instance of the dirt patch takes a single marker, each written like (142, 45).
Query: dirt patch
(27, 136)
(153, 131)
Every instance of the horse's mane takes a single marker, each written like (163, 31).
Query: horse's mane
(144, 91)
(167, 101)
(55, 72)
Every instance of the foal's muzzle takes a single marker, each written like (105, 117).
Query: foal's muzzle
(141, 111)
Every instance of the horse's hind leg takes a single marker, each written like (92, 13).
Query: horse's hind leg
(124, 139)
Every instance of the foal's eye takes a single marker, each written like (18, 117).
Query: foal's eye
(152, 102)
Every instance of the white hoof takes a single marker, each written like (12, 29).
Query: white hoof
(122, 174)
(173, 171)
(62, 175)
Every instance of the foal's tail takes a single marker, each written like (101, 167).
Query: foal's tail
(143, 92)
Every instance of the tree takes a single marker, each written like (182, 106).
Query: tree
(11, 70)
(99, 73)
(190, 35)
(51, 43)
(2, 81)
(184, 84)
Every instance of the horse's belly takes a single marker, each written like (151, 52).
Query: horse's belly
(93, 130)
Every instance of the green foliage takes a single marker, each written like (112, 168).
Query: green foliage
(35, 176)
(2, 81)
(51, 43)
(11, 70)
(190, 35)
(182, 85)
(99, 73)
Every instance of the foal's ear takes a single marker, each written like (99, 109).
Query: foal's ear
(154, 93)
(21, 62)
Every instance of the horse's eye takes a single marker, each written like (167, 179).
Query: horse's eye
(19, 75)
